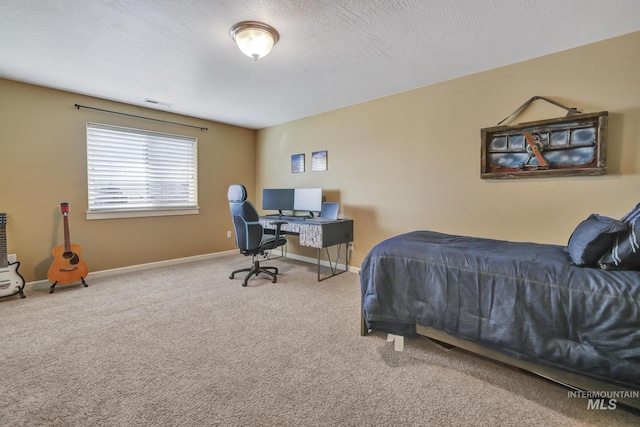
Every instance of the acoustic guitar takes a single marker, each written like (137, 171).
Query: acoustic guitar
(68, 265)
(11, 282)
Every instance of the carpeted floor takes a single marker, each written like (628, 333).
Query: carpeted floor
(186, 346)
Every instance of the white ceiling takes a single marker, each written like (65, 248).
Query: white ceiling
(331, 53)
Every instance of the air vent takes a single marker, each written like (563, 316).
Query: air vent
(157, 103)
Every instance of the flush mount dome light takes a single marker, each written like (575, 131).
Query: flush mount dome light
(254, 39)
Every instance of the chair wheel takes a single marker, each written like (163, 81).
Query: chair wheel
(244, 284)
(231, 277)
(274, 280)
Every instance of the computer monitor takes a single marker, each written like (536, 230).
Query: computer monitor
(277, 199)
(308, 199)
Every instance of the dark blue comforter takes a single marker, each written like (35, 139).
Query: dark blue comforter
(523, 299)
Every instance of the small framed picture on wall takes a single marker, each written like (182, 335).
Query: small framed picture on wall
(297, 163)
(319, 161)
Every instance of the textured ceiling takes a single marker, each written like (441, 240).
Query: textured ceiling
(331, 53)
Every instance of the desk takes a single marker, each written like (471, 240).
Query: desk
(316, 234)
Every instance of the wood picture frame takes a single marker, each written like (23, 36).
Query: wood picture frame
(567, 146)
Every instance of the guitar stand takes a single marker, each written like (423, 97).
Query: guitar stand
(52, 287)
(20, 292)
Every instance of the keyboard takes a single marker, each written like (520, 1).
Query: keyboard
(321, 220)
(283, 218)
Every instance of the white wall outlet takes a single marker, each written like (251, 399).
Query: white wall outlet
(351, 246)
(228, 234)
(12, 258)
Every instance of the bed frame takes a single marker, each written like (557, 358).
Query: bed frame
(567, 379)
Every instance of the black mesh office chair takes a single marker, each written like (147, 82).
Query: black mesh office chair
(250, 236)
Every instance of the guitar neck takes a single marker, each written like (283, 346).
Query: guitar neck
(67, 240)
(4, 261)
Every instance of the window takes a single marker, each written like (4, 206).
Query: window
(133, 172)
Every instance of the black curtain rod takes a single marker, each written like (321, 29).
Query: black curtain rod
(78, 106)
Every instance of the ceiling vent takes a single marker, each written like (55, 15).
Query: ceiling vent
(153, 102)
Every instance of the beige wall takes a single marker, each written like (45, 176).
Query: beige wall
(43, 163)
(412, 160)
(404, 162)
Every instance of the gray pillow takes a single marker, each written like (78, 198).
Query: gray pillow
(592, 238)
(625, 252)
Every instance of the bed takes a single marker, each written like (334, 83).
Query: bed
(521, 303)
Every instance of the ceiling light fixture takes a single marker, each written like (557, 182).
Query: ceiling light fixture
(254, 39)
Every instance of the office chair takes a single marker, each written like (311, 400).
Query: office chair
(251, 238)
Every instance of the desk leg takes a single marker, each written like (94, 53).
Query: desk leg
(334, 267)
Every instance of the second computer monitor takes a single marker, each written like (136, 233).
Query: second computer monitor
(308, 199)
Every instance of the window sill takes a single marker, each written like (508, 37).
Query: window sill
(142, 213)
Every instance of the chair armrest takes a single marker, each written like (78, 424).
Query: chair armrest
(278, 224)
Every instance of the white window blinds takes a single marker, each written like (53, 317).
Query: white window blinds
(133, 169)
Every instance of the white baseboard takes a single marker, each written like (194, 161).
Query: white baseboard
(44, 284)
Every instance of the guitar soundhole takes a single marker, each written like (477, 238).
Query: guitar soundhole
(72, 257)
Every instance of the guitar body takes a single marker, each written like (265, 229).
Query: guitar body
(11, 282)
(68, 265)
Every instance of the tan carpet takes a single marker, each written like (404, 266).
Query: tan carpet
(186, 346)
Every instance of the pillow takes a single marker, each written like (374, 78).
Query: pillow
(625, 253)
(592, 238)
